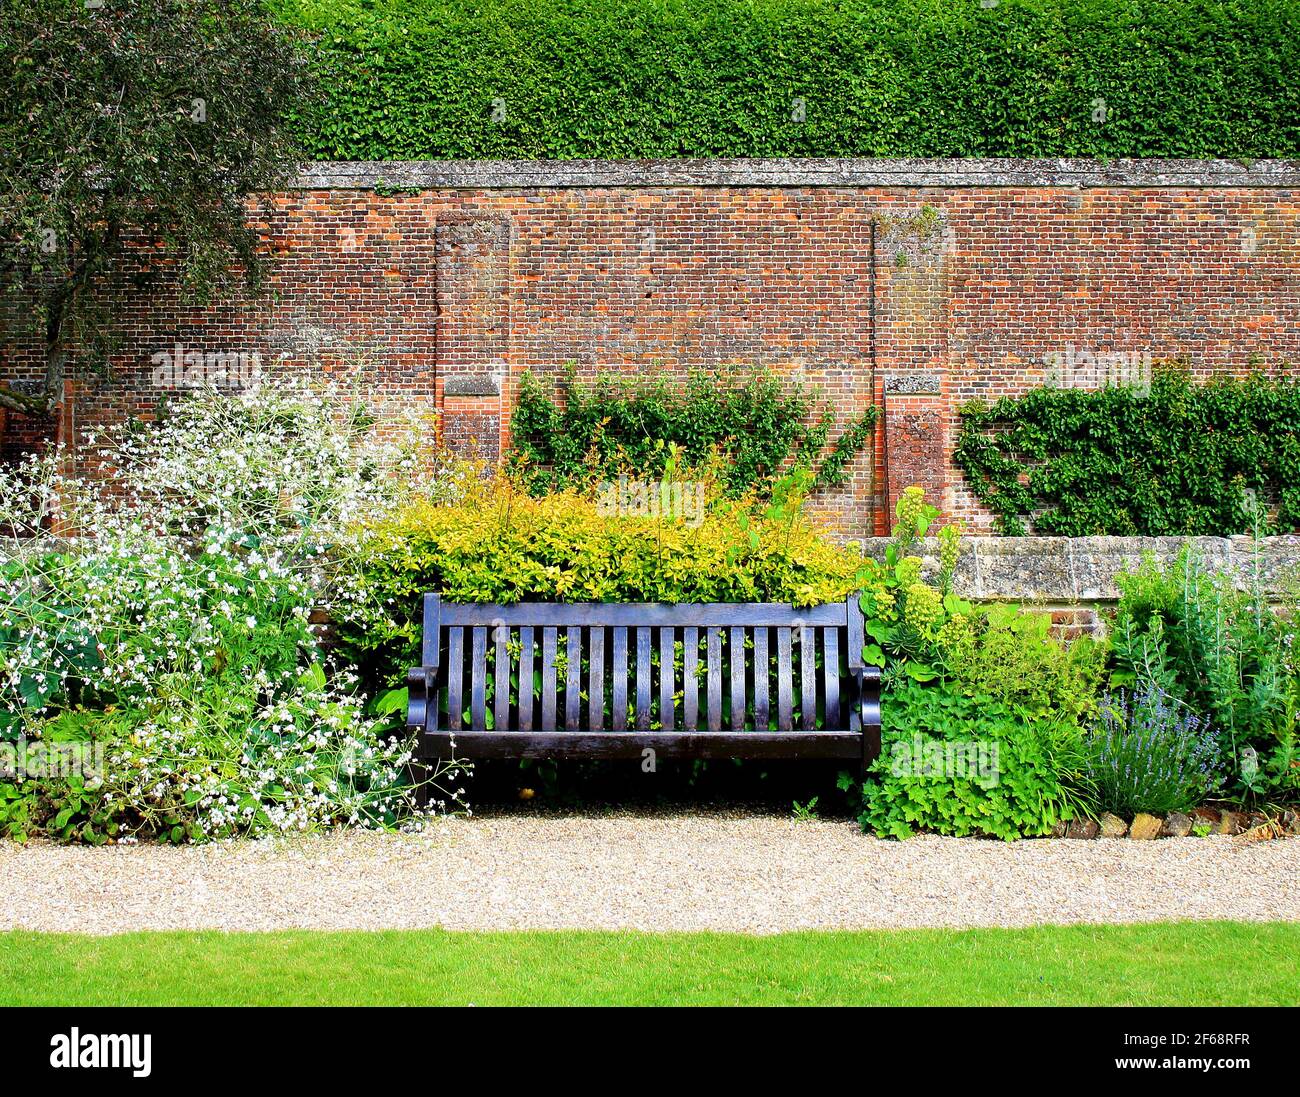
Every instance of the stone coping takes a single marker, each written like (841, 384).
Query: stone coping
(1082, 569)
(1060, 570)
(641, 174)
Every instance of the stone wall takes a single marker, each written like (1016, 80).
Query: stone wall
(1073, 578)
(915, 285)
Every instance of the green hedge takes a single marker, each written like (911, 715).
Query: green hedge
(1177, 460)
(411, 79)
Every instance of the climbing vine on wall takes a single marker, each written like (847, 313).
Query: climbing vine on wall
(758, 423)
(1178, 459)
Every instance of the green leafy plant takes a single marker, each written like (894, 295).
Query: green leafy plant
(963, 765)
(503, 545)
(1125, 461)
(1192, 634)
(745, 430)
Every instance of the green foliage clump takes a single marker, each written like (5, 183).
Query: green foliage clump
(635, 79)
(1222, 653)
(927, 633)
(502, 545)
(1124, 462)
(964, 765)
(983, 708)
(160, 675)
(748, 429)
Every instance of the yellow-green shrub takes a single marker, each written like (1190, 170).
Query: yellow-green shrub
(502, 546)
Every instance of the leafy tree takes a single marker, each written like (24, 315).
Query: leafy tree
(132, 133)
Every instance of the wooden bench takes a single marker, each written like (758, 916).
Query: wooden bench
(816, 700)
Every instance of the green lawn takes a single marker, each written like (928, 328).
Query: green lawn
(1169, 964)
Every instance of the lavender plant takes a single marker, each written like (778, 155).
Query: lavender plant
(1147, 752)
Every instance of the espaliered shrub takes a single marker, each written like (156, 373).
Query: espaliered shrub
(1180, 459)
(557, 79)
(746, 429)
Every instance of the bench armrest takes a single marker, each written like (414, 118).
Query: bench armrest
(420, 698)
(868, 679)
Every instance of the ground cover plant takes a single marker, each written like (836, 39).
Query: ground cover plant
(984, 713)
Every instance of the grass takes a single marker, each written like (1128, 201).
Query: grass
(1203, 963)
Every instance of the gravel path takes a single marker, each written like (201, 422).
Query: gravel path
(652, 871)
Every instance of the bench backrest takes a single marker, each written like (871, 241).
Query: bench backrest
(601, 667)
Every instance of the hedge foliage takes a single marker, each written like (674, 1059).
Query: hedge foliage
(746, 427)
(1180, 459)
(563, 79)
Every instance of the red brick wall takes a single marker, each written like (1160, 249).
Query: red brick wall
(443, 297)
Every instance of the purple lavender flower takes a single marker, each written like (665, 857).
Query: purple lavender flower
(1148, 752)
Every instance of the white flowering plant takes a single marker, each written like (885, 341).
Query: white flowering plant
(159, 608)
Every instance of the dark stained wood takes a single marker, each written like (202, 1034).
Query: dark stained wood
(527, 646)
(478, 680)
(851, 702)
(666, 672)
(690, 677)
(808, 677)
(573, 678)
(736, 642)
(643, 679)
(784, 682)
(455, 677)
(831, 676)
(618, 695)
(550, 642)
(762, 672)
(713, 661)
(596, 680)
(501, 678)
(723, 744)
(647, 614)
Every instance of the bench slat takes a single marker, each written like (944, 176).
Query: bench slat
(713, 658)
(807, 677)
(527, 646)
(501, 684)
(831, 675)
(455, 677)
(478, 681)
(618, 701)
(784, 681)
(573, 679)
(550, 641)
(666, 674)
(690, 677)
(596, 680)
(643, 679)
(762, 711)
(647, 614)
(737, 645)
